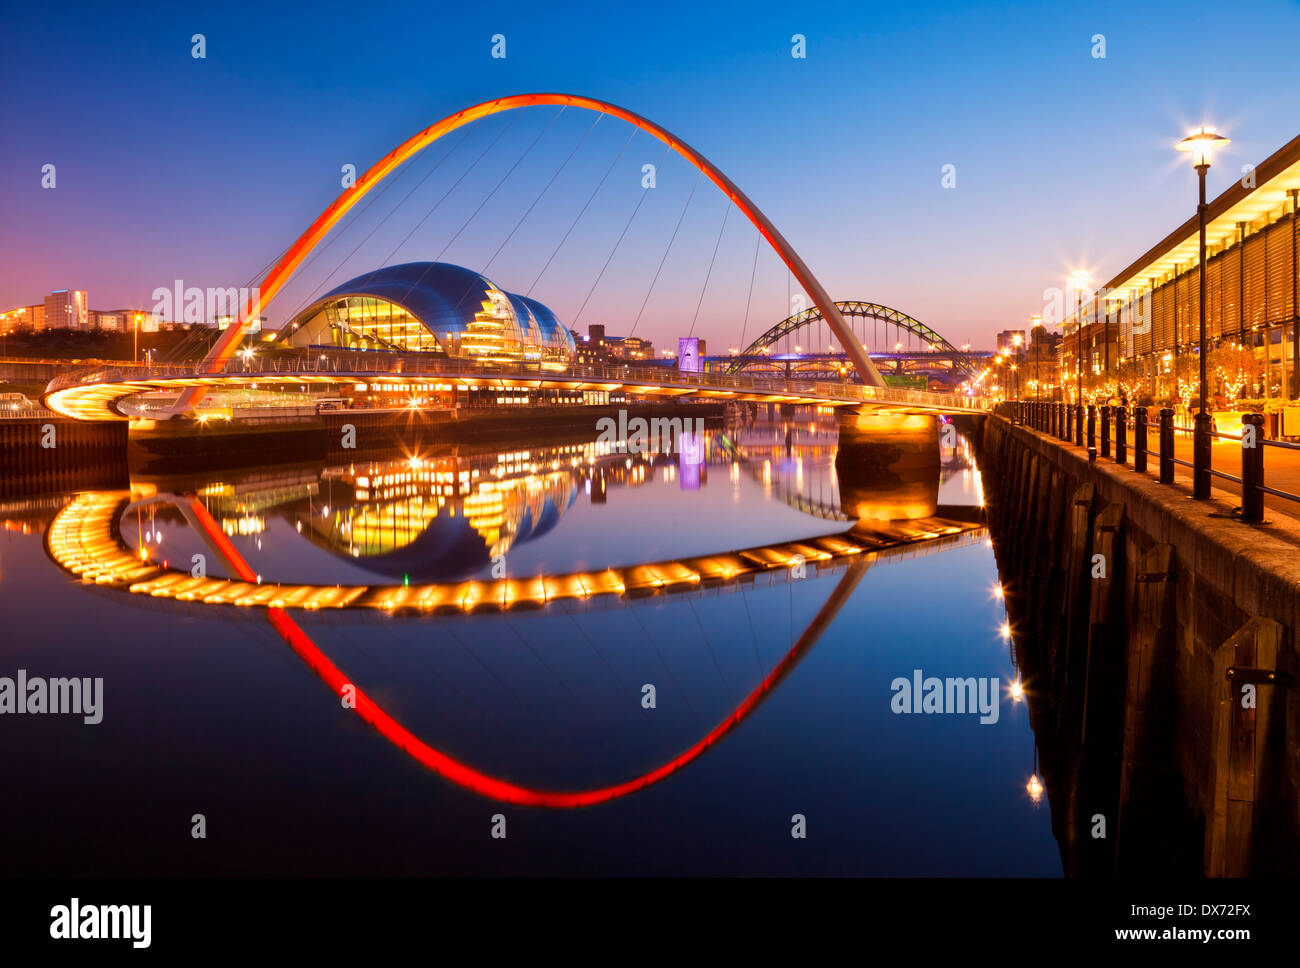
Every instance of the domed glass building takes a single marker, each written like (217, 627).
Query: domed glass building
(433, 307)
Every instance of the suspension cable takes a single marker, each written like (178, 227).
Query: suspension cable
(708, 274)
(528, 211)
(342, 262)
(388, 183)
(758, 242)
(474, 214)
(726, 686)
(574, 223)
(672, 238)
(608, 259)
(544, 190)
(454, 185)
(495, 188)
(667, 668)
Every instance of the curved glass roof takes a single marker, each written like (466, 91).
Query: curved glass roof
(550, 324)
(442, 295)
(464, 310)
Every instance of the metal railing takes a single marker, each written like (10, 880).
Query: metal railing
(369, 365)
(1064, 421)
(25, 411)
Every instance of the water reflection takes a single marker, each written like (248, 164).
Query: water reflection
(440, 519)
(623, 571)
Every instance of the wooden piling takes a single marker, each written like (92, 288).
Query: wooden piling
(1102, 729)
(1249, 722)
(1077, 567)
(1147, 782)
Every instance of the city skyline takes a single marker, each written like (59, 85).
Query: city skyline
(191, 203)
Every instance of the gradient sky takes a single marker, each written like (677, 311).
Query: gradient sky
(171, 168)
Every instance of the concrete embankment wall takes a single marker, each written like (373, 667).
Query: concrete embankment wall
(1140, 716)
(379, 430)
(374, 433)
(54, 454)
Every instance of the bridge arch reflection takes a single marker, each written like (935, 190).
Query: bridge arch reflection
(85, 539)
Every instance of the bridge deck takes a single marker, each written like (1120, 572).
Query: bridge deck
(94, 395)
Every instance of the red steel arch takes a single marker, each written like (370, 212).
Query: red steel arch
(279, 275)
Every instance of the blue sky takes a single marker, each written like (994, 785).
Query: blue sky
(171, 168)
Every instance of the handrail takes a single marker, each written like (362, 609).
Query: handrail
(19, 411)
(1049, 417)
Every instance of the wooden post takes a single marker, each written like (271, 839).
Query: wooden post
(1102, 729)
(1148, 778)
(1249, 721)
(1106, 574)
(1071, 657)
(1018, 511)
(1077, 568)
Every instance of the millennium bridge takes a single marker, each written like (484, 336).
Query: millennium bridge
(96, 396)
(99, 395)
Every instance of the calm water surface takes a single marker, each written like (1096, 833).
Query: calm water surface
(208, 710)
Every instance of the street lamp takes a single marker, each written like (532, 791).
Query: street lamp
(1201, 145)
(1117, 302)
(1080, 280)
(1034, 322)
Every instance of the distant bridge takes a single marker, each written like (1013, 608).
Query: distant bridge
(951, 367)
(933, 347)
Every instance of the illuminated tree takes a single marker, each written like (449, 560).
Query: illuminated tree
(1235, 367)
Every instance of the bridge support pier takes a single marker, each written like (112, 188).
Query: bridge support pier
(888, 465)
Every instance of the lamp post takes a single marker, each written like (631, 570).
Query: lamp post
(1201, 145)
(1105, 339)
(1017, 341)
(1080, 280)
(1034, 323)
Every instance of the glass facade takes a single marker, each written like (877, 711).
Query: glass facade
(435, 307)
(367, 323)
(1252, 286)
(495, 333)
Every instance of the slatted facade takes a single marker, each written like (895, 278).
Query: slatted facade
(1252, 276)
(1251, 284)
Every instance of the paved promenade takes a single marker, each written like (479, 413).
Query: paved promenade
(1281, 469)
